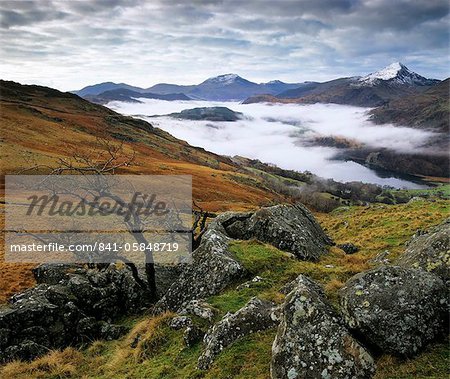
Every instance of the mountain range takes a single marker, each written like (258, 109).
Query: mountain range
(372, 90)
(399, 95)
(220, 88)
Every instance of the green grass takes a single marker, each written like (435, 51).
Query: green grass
(441, 190)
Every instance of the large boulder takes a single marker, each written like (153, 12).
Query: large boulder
(312, 341)
(256, 315)
(430, 251)
(213, 268)
(396, 309)
(77, 305)
(288, 227)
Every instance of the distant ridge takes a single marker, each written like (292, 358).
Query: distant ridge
(225, 87)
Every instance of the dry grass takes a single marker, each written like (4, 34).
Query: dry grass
(56, 364)
(377, 227)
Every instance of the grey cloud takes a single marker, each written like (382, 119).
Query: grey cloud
(186, 41)
(26, 13)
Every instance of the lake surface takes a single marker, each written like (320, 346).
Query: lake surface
(277, 134)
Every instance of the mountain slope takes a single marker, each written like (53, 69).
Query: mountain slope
(426, 110)
(41, 125)
(375, 89)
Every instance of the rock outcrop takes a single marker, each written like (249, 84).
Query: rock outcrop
(199, 308)
(430, 251)
(78, 305)
(213, 267)
(312, 341)
(288, 227)
(396, 309)
(256, 315)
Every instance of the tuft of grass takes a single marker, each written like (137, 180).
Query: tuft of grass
(433, 363)
(56, 364)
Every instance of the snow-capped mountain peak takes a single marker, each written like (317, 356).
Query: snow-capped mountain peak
(395, 73)
(224, 79)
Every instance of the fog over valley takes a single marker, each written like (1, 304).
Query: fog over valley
(284, 134)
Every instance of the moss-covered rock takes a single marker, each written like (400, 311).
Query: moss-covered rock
(398, 310)
(256, 315)
(430, 251)
(312, 341)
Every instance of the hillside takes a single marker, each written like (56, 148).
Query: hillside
(40, 125)
(43, 124)
(426, 110)
(127, 95)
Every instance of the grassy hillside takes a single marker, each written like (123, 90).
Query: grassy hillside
(161, 353)
(40, 125)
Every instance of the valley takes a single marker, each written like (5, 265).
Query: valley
(280, 134)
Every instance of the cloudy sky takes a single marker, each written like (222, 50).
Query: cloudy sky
(70, 44)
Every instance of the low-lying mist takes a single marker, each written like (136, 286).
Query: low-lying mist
(280, 134)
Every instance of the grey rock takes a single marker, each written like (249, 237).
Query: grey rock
(256, 315)
(53, 273)
(26, 350)
(302, 280)
(192, 334)
(78, 308)
(380, 258)
(397, 309)
(87, 327)
(213, 268)
(430, 251)
(180, 322)
(199, 308)
(109, 332)
(4, 337)
(312, 341)
(288, 227)
(166, 275)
